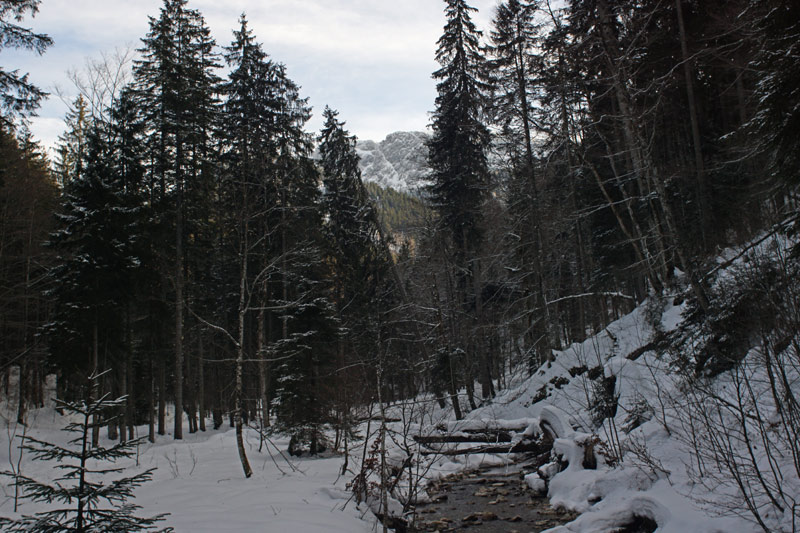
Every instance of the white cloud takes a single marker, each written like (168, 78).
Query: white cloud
(370, 59)
(47, 131)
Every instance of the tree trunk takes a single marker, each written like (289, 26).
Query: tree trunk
(21, 393)
(643, 167)
(95, 382)
(238, 392)
(698, 151)
(151, 408)
(454, 389)
(484, 370)
(201, 383)
(190, 395)
(179, 282)
(263, 368)
(162, 396)
(128, 426)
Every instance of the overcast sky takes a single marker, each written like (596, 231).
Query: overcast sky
(369, 59)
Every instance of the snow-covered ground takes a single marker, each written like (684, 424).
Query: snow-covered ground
(199, 482)
(647, 451)
(610, 496)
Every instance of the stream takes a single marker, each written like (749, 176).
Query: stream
(488, 500)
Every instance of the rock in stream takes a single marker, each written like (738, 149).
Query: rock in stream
(490, 500)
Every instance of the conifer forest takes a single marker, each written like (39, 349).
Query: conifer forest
(595, 269)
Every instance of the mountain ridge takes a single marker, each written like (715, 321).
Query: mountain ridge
(400, 161)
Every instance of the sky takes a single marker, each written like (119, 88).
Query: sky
(369, 59)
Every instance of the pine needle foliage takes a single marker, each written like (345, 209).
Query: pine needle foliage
(81, 499)
(457, 149)
(18, 96)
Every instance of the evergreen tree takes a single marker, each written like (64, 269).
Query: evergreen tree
(72, 143)
(252, 106)
(18, 96)
(358, 261)
(88, 502)
(457, 149)
(351, 223)
(300, 297)
(459, 170)
(176, 88)
(100, 250)
(778, 65)
(127, 172)
(28, 197)
(126, 132)
(515, 75)
(92, 281)
(272, 204)
(514, 37)
(307, 319)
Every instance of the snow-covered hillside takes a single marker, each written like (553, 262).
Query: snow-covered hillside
(714, 452)
(399, 161)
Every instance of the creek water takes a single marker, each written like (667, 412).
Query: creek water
(489, 500)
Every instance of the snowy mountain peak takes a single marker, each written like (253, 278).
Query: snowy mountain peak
(399, 161)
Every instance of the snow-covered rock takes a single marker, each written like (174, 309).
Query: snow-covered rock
(535, 483)
(399, 161)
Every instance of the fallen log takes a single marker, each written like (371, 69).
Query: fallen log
(500, 436)
(484, 426)
(378, 418)
(536, 447)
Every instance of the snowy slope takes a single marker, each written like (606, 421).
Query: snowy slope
(399, 161)
(649, 466)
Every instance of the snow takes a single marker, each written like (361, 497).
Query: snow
(199, 482)
(398, 162)
(610, 496)
(536, 483)
(644, 471)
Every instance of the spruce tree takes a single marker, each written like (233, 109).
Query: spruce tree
(351, 222)
(126, 132)
(127, 173)
(304, 350)
(514, 37)
(358, 261)
(459, 169)
(176, 88)
(28, 196)
(300, 300)
(252, 104)
(18, 96)
(86, 501)
(91, 283)
(457, 149)
(515, 72)
(777, 120)
(71, 146)
(272, 211)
